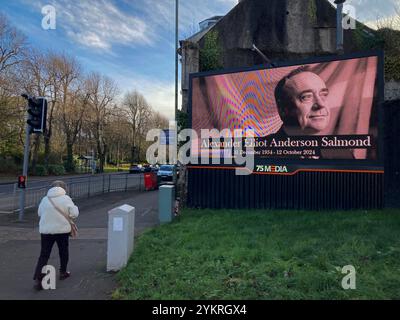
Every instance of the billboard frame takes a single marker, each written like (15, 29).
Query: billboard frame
(320, 164)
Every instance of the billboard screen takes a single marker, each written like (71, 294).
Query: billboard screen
(325, 109)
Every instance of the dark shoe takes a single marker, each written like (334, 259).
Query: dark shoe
(38, 285)
(65, 275)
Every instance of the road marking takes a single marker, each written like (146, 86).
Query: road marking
(146, 212)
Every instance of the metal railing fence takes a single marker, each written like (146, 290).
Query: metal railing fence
(78, 188)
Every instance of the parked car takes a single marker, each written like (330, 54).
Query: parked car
(146, 168)
(166, 173)
(134, 169)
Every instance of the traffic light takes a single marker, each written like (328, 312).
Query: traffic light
(21, 182)
(37, 112)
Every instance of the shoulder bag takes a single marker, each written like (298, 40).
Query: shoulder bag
(74, 228)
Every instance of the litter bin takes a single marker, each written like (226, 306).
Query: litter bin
(150, 181)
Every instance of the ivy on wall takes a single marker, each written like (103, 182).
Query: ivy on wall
(211, 53)
(392, 68)
(182, 119)
(312, 11)
(386, 39)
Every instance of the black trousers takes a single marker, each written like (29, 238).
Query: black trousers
(47, 242)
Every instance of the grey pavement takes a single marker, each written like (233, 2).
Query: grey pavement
(20, 248)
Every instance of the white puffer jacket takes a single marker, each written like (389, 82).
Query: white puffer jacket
(51, 221)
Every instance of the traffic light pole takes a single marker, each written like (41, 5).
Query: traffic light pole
(24, 172)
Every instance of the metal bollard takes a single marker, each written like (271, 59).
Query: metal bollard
(121, 232)
(166, 203)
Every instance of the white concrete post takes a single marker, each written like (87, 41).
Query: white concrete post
(121, 232)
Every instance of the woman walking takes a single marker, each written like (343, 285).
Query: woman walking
(56, 211)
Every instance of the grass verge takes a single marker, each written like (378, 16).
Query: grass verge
(243, 255)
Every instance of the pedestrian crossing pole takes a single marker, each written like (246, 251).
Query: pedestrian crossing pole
(24, 172)
(35, 123)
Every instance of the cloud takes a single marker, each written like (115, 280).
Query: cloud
(89, 38)
(99, 24)
(159, 94)
(161, 13)
(372, 10)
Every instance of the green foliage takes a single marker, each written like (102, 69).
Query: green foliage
(211, 53)
(69, 166)
(10, 124)
(266, 255)
(56, 169)
(8, 165)
(182, 119)
(392, 68)
(312, 11)
(386, 39)
(364, 40)
(183, 123)
(41, 171)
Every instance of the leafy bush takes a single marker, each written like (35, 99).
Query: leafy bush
(8, 165)
(56, 169)
(211, 53)
(41, 171)
(69, 167)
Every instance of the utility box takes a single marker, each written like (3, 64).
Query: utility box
(121, 233)
(166, 203)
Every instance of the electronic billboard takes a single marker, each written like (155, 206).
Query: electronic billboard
(321, 111)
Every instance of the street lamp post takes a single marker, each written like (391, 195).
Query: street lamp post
(339, 25)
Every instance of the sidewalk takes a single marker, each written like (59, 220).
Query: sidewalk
(20, 248)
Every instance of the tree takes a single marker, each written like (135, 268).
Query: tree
(158, 121)
(71, 100)
(117, 133)
(138, 112)
(12, 45)
(13, 49)
(36, 81)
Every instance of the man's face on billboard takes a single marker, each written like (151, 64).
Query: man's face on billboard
(308, 94)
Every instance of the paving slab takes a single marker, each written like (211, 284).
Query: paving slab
(20, 248)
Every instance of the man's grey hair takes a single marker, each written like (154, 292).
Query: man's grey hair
(60, 184)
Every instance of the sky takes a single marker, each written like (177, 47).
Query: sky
(132, 41)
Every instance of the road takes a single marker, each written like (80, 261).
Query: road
(78, 187)
(37, 182)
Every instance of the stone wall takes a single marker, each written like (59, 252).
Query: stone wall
(392, 90)
(190, 64)
(283, 30)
